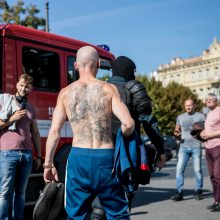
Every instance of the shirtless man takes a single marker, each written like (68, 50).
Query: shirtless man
(88, 104)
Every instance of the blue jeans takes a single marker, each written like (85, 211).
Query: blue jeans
(15, 168)
(184, 154)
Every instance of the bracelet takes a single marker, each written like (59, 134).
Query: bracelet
(48, 166)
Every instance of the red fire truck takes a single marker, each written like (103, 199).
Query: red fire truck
(49, 59)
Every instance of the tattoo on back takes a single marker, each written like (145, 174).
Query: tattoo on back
(89, 113)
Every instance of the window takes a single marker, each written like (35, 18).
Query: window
(216, 72)
(200, 75)
(178, 78)
(72, 74)
(193, 76)
(44, 67)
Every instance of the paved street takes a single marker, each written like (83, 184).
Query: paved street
(153, 201)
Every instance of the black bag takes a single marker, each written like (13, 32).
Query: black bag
(50, 204)
(197, 128)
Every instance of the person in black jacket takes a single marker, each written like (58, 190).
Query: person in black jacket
(133, 93)
(137, 101)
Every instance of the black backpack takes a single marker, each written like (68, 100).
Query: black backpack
(50, 203)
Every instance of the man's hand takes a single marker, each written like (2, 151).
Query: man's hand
(161, 161)
(204, 135)
(37, 164)
(15, 117)
(177, 133)
(18, 115)
(50, 174)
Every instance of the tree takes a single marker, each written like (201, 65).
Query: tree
(168, 102)
(13, 14)
(26, 16)
(31, 20)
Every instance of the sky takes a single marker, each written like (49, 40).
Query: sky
(150, 32)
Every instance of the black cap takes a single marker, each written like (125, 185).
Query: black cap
(124, 67)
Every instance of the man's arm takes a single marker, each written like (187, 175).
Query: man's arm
(210, 135)
(36, 142)
(141, 102)
(122, 112)
(15, 117)
(152, 130)
(59, 116)
(142, 107)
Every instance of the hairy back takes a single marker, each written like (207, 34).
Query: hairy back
(88, 108)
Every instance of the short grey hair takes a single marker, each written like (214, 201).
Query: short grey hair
(213, 95)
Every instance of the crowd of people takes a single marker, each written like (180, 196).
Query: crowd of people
(97, 111)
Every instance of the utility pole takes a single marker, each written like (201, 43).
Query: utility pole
(47, 16)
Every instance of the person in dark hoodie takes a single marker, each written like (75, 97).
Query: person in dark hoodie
(133, 93)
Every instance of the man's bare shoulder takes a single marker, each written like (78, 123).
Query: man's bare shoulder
(72, 86)
(107, 86)
(112, 87)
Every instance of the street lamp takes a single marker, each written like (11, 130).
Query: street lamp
(47, 16)
(4, 4)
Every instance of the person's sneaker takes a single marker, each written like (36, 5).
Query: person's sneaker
(198, 195)
(177, 197)
(216, 208)
(212, 206)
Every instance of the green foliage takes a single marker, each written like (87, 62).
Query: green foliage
(31, 20)
(168, 102)
(26, 16)
(104, 77)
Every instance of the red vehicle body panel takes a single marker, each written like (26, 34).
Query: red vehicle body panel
(14, 38)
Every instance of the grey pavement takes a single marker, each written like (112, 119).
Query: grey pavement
(153, 201)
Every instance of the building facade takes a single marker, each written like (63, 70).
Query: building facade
(201, 74)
